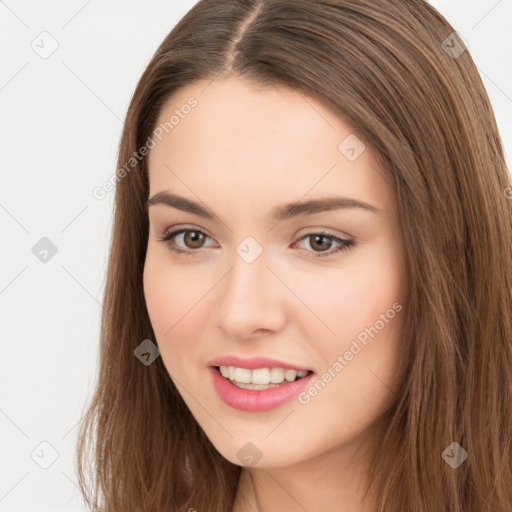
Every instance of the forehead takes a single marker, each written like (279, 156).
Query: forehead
(250, 145)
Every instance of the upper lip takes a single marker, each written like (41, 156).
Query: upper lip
(253, 363)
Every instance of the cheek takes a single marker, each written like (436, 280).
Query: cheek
(169, 291)
(167, 299)
(159, 294)
(349, 298)
(178, 306)
(367, 315)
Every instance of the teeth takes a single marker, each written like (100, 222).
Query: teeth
(243, 375)
(260, 376)
(257, 387)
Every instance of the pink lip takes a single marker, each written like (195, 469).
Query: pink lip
(252, 399)
(253, 363)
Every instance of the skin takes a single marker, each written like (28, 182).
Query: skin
(242, 151)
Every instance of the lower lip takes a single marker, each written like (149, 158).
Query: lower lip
(256, 400)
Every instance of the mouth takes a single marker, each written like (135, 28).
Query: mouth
(260, 378)
(253, 390)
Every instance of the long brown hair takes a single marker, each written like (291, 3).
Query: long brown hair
(400, 75)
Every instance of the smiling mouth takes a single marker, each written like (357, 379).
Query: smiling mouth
(261, 378)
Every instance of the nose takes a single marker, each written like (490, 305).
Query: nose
(250, 300)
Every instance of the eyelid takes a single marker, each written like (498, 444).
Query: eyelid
(326, 231)
(178, 227)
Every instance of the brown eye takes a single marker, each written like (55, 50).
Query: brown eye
(320, 242)
(193, 239)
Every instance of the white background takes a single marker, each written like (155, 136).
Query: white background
(61, 121)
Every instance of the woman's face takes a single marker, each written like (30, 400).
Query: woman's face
(261, 281)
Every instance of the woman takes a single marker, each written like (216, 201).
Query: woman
(247, 366)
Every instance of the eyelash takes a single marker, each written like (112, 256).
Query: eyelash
(345, 244)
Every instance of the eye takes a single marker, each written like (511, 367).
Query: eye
(319, 240)
(194, 239)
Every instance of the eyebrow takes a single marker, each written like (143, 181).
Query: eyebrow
(283, 212)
